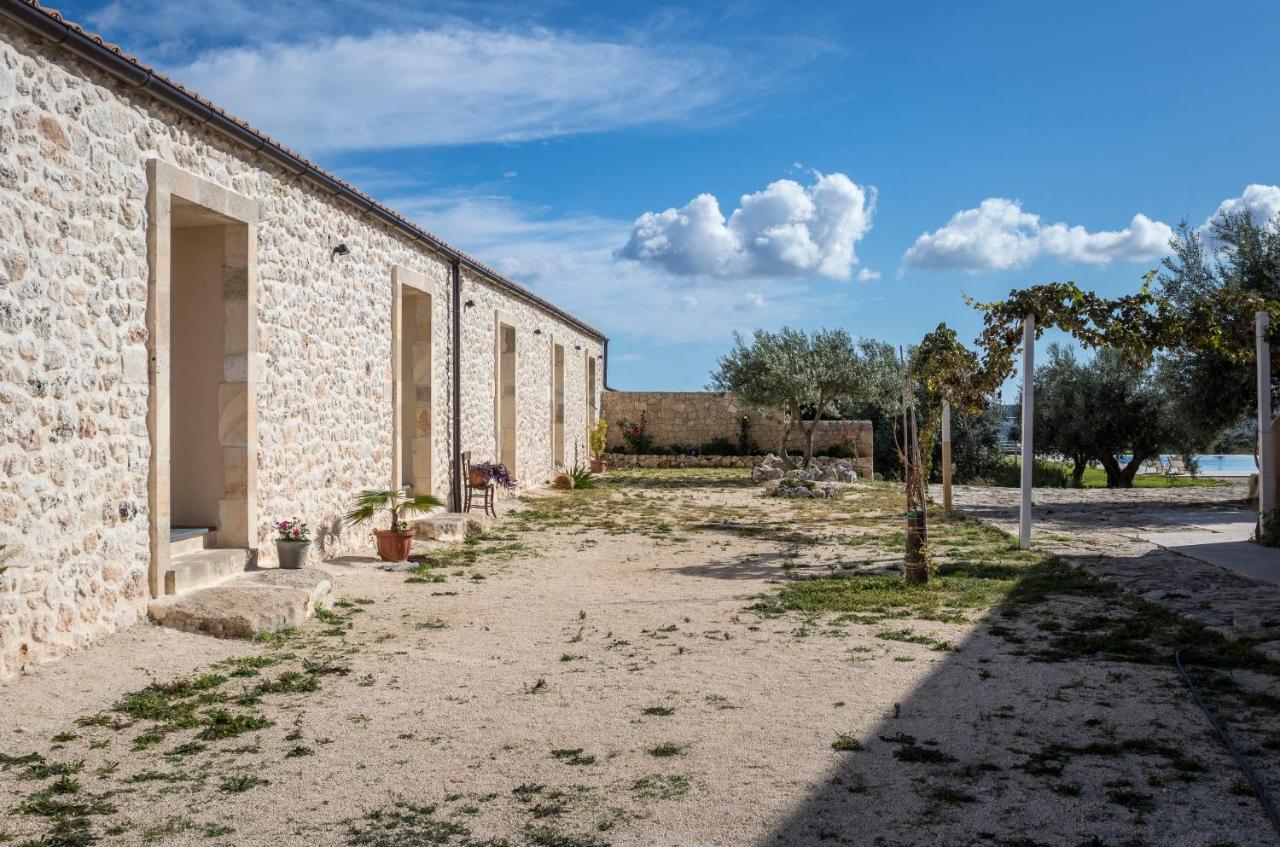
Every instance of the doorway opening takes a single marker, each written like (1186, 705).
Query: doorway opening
(593, 410)
(505, 373)
(557, 406)
(201, 415)
(413, 351)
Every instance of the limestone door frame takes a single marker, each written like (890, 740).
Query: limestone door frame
(402, 278)
(237, 391)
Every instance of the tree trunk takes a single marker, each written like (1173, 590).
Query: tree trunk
(1122, 477)
(791, 416)
(1112, 467)
(813, 430)
(1077, 470)
(1131, 470)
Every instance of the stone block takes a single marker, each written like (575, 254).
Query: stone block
(233, 414)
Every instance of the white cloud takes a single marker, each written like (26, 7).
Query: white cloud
(453, 84)
(1262, 202)
(999, 235)
(787, 230)
(868, 275)
(569, 260)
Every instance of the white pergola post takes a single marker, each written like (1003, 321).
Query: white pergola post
(946, 456)
(1265, 472)
(1028, 428)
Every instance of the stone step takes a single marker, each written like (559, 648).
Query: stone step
(200, 568)
(449, 526)
(259, 601)
(188, 540)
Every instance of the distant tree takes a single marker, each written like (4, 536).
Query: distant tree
(975, 449)
(802, 376)
(839, 368)
(1240, 255)
(1107, 408)
(1063, 423)
(771, 373)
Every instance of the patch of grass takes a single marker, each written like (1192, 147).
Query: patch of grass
(910, 751)
(405, 824)
(219, 724)
(573, 756)
(981, 568)
(541, 836)
(950, 796)
(241, 782)
(661, 786)
(667, 749)
(658, 711)
(846, 742)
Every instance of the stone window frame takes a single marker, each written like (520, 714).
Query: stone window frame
(237, 395)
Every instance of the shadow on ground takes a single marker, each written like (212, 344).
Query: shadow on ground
(1060, 721)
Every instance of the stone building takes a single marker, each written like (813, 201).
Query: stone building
(203, 329)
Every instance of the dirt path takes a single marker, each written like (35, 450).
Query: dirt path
(601, 670)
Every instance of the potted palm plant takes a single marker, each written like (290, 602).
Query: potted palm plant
(293, 540)
(393, 543)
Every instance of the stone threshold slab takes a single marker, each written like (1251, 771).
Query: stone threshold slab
(262, 601)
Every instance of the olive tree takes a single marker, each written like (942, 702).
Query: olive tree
(801, 375)
(770, 373)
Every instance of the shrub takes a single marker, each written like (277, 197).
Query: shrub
(636, 435)
(1045, 474)
(719, 447)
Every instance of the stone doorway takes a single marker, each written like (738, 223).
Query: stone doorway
(413, 385)
(557, 406)
(202, 410)
(505, 396)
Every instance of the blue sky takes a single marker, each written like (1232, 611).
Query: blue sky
(893, 156)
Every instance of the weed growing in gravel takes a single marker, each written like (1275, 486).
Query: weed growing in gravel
(661, 786)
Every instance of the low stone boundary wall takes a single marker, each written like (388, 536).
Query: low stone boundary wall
(623, 461)
(694, 418)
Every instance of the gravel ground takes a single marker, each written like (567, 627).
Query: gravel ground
(601, 679)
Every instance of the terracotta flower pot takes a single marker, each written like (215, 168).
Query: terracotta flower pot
(478, 478)
(599, 466)
(394, 545)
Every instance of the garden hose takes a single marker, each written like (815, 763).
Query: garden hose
(1259, 787)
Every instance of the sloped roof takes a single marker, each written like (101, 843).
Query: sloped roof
(49, 25)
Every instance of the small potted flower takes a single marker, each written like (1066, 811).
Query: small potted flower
(483, 473)
(393, 543)
(293, 540)
(596, 437)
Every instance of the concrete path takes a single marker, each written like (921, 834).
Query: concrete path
(1222, 540)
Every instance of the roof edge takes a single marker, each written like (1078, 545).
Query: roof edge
(49, 25)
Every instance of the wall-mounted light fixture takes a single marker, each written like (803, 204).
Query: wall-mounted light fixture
(469, 304)
(341, 250)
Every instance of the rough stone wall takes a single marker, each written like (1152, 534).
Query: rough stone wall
(693, 418)
(533, 380)
(74, 441)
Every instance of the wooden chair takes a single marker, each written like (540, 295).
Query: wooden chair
(489, 489)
